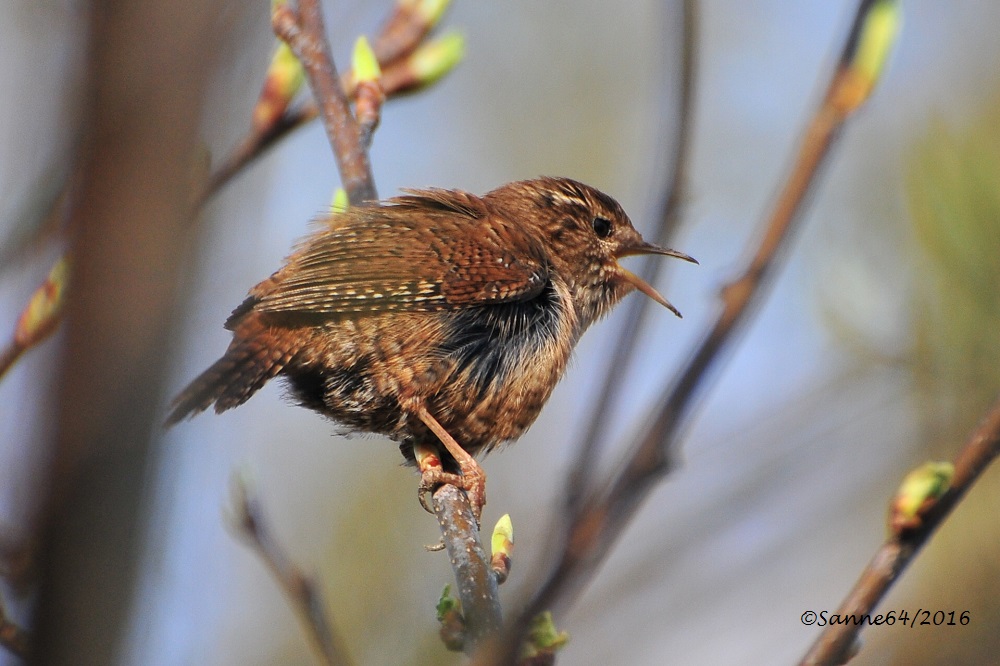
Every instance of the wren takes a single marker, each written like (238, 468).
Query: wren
(438, 317)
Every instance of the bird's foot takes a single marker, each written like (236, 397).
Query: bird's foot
(472, 478)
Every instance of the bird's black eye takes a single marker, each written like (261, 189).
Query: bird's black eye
(602, 227)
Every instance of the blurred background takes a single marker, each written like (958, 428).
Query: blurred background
(876, 351)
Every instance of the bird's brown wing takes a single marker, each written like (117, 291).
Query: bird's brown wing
(430, 250)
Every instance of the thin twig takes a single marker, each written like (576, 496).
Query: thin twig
(9, 356)
(477, 584)
(254, 145)
(305, 33)
(605, 512)
(638, 309)
(892, 558)
(401, 34)
(301, 590)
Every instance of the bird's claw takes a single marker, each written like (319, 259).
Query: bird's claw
(474, 485)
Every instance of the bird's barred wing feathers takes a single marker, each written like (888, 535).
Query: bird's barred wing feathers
(430, 250)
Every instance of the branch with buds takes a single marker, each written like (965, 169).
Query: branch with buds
(926, 498)
(402, 60)
(399, 61)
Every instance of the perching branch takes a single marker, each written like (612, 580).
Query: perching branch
(477, 584)
(474, 575)
(606, 510)
(892, 558)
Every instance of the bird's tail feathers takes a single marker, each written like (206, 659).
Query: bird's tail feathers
(247, 365)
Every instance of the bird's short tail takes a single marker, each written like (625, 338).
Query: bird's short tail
(247, 365)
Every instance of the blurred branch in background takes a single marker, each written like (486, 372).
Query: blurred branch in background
(670, 203)
(130, 206)
(952, 176)
(249, 524)
(835, 644)
(608, 507)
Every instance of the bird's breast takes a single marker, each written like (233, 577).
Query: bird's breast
(503, 362)
(484, 372)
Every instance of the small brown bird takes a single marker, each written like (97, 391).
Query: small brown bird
(434, 317)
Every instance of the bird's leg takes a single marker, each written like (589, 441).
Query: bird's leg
(431, 472)
(472, 479)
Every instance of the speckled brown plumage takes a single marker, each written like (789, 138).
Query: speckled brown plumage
(434, 306)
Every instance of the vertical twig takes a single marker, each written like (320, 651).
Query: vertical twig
(305, 33)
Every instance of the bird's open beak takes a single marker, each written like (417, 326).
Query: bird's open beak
(642, 285)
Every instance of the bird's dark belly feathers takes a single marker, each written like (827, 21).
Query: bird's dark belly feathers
(478, 370)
